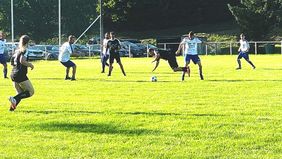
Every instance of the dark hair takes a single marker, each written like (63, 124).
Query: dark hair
(71, 37)
(191, 33)
(151, 49)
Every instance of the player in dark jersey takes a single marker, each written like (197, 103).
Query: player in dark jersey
(170, 58)
(114, 45)
(20, 64)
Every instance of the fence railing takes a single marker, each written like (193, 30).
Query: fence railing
(223, 48)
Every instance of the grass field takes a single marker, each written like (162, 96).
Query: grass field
(231, 114)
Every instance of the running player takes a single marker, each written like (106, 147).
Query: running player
(2, 57)
(114, 47)
(106, 53)
(190, 45)
(244, 52)
(168, 56)
(64, 57)
(20, 64)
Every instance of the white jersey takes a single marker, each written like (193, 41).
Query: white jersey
(65, 52)
(105, 50)
(244, 46)
(2, 46)
(191, 46)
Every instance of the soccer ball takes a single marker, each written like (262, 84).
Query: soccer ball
(154, 78)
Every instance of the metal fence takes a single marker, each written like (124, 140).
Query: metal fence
(225, 48)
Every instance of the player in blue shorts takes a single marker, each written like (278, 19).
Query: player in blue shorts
(190, 45)
(244, 52)
(2, 56)
(64, 57)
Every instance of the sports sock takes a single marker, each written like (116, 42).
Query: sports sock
(21, 96)
(5, 71)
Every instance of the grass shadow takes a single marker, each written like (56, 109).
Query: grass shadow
(227, 80)
(97, 128)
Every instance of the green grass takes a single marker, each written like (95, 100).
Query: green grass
(231, 114)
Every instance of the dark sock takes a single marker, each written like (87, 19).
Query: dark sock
(107, 64)
(5, 71)
(252, 64)
(21, 96)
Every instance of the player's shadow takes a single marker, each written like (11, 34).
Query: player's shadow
(48, 78)
(97, 128)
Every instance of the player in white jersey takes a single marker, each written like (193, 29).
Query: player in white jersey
(244, 52)
(64, 57)
(190, 46)
(106, 52)
(2, 56)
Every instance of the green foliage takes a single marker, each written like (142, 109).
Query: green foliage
(232, 114)
(257, 17)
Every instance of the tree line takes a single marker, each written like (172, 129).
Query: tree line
(39, 18)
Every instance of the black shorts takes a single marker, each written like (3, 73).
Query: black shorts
(19, 78)
(114, 56)
(172, 62)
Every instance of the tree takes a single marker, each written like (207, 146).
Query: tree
(257, 18)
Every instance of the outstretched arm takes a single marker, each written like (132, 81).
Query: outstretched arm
(157, 64)
(179, 48)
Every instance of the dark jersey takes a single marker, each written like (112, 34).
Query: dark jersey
(113, 46)
(19, 70)
(166, 55)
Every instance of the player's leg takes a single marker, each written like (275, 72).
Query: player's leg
(246, 57)
(73, 72)
(200, 70)
(26, 90)
(104, 61)
(5, 70)
(187, 62)
(120, 65)
(111, 65)
(239, 61)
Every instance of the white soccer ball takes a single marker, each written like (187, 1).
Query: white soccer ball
(154, 78)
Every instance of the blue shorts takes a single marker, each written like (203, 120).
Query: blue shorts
(68, 64)
(244, 55)
(194, 58)
(2, 59)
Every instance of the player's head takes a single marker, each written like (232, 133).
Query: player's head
(24, 39)
(71, 39)
(191, 35)
(242, 36)
(112, 34)
(151, 51)
(107, 35)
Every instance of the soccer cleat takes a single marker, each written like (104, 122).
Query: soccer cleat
(238, 68)
(254, 67)
(67, 78)
(13, 105)
(73, 79)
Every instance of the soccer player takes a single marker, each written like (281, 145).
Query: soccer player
(64, 57)
(2, 57)
(114, 47)
(243, 52)
(168, 56)
(20, 64)
(106, 53)
(190, 45)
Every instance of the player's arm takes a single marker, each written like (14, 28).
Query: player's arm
(24, 62)
(157, 60)
(180, 47)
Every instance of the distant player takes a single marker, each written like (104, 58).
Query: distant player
(2, 56)
(168, 56)
(190, 45)
(64, 57)
(244, 52)
(105, 53)
(20, 64)
(114, 47)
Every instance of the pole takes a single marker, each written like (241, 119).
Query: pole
(101, 27)
(12, 23)
(60, 31)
